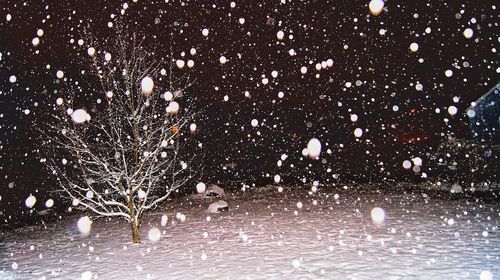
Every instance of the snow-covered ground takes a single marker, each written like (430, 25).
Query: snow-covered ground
(267, 234)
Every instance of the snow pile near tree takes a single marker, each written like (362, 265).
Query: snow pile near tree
(217, 207)
(272, 233)
(214, 190)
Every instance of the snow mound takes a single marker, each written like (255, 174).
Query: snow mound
(217, 207)
(214, 190)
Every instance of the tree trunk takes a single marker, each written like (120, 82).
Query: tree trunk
(136, 236)
(134, 223)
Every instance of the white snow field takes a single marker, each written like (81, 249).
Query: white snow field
(266, 234)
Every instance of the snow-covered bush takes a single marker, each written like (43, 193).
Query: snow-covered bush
(466, 161)
(118, 155)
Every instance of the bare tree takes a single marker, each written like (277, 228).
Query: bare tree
(121, 158)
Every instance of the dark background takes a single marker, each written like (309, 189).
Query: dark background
(320, 107)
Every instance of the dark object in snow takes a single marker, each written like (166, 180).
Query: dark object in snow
(484, 117)
(217, 207)
(214, 190)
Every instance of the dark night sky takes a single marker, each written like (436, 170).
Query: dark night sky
(313, 106)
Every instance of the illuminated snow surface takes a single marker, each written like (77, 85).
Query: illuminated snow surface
(265, 236)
